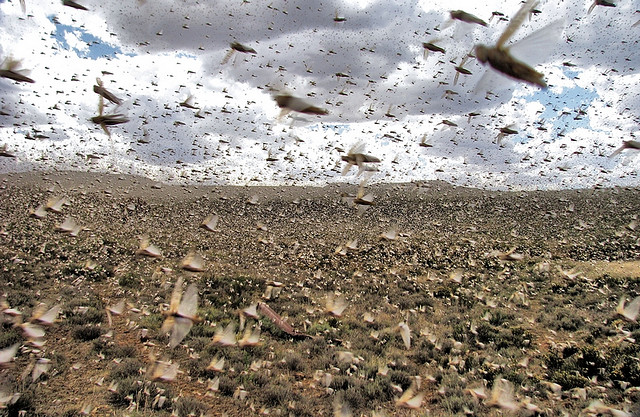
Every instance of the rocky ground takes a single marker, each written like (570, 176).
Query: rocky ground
(509, 298)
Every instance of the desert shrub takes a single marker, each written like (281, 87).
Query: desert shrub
(378, 390)
(93, 314)
(513, 337)
(202, 330)
(294, 362)
(575, 365)
(218, 288)
(456, 403)
(143, 393)
(86, 333)
(227, 386)
(569, 380)
(110, 350)
(253, 380)
(424, 352)
(623, 363)
(97, 274)
(499, 317)
(401, 378)
(127, 368)
(188, 406)
(443, 291)
(277, 394)
(25, 403)
(303, 408)
(459, 332)
(356, 397)
(152, 321)
(409, 301)
(9, 337)
(486, 333)
(342, 382)
(567, 320)
(130, 280)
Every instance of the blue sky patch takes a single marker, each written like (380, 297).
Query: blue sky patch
(571, 100)
(96, 47)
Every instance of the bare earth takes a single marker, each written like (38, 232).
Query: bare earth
(519, 286)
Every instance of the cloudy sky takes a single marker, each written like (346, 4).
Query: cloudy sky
(366, 68)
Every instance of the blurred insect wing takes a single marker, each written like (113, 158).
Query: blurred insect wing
(516, 22)
(167, 326)
(629, 311)
(50, 316)
(214, 385)
(336, 306)
(479, 392)
(409, 399)
(33, 332)
(148, 249)
(118, 308)
(225, 336)
(405, 332)
(67, 226)
(41, 366)
(74, 4)
(536, 47)
(176, 296)
(193, 262)
(466, 17)
(55, 204)
(251, 311)
(210, 222)
(7, 354)
(164, 371)
(502, 395)
(189, 304)
(216, 365)
(181, 327)
(250, 337)
(415, 402)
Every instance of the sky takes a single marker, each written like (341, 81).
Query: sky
(367, 69)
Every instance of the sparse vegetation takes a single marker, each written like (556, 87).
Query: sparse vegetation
(86, 333)
(520, 321)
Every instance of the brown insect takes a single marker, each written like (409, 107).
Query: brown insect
(356, 156)
(289, 103)
(237, 47)
(182, 313)
(466, 17)
(10, 69)
(100, 90)
(431, 47)
(460, 69)
(501, 57)
(73, 4)
(626, 144)
(105, 120)
(604, 3)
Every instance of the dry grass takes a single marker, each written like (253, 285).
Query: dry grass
(525, 320)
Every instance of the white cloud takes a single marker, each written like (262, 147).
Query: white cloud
(302, 50)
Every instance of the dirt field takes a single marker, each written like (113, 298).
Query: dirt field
(509, 298)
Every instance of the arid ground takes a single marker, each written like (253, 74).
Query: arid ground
(510, 299)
